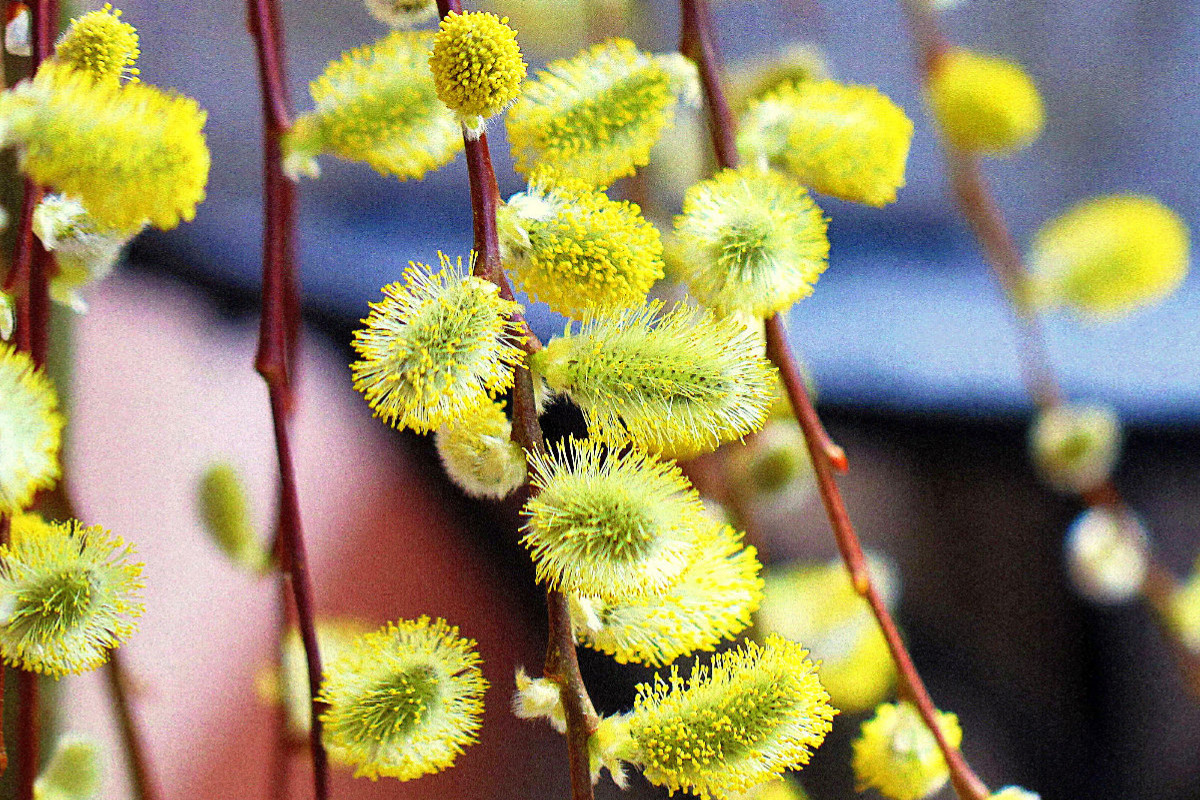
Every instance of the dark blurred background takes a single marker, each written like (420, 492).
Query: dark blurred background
(907, 338)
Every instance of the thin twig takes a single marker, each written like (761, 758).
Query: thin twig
(276, 345)
(135, 748)
(562, 664)
(978, 206)
(696, 42)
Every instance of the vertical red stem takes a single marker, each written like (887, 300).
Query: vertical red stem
(696, 42)
(135, 748)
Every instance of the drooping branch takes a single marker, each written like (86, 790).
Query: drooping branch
(696, 42)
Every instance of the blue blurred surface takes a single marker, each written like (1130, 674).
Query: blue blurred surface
(907, 316)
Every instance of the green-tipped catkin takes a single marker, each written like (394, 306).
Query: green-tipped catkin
(847, 141)
(73, 772)
(30, 430)
(477, 66)
(403, 701)
(596, 116)
(478, 453)
(225, 511)
(753, 241)
(100, 44)
(1075, 446)
(774, 462)
(712, 600)
(1184, 612)
(1107, 555)
(377, 104)
(753, 713)
(576, 250)
(898, 756)
(610, 524)
(984, 104)
(751, 79)
(1109, 256)
(402, 13)
(817, 604)
(84, 251)
(679, 385)
(438, 344)
(68, 595)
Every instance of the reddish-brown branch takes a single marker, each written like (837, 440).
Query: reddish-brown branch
(135, 748)
(978, 206)
(562, 663)
(29, 732)
(697, 43)
(278, 332)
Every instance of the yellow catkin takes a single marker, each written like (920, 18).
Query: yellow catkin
(847, 141)
(984, 104)
(100, 44)
(477, 65)
(1109, 255)
(30, 430)
(898, 756)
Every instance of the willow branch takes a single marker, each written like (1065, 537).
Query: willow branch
(696, 42)
(978, 206)
(276, 347)
(134, 746)
(562, 663)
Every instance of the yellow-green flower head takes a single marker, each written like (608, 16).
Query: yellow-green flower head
(607, 748)
(402, 13)
(749, 80)
(679, 385)
(898, 756)
(130, 153)
(578, 251)
(68, 595)
(85, 253)
(847, 141)
(1107, 555)
(711, 600)
(782, 789)
(754, 713)
(539, 698)
(1110, 255)
(775, 462)
(478, 453)
(100, 44)
(287, 683)
(596, 116)
(225, 512)
(1075, 446)
(1015, 793)
(74, 771)
(477, 66)
(30, 430)
(754, 241)
(610, 524)
(984, 104)
(438, 344)
(1184, 613)
(377, 104)
(404, 701)
(817, 604)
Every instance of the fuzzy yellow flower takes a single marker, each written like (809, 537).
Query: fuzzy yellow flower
(68, 595)
(377, 104)
(84, 252)
(847, 141)
(984, 104)
(30, 430)
(404, 701)
(479, 455)
(595, 117)
(897, 755)
(1110, 255)
(1074, 446)
(752, 241)
(100, 44)
(402, 13)
(74, 771)
(225, 512)
(130, 153)
(745, 719)
(610, 524)
(477, 66)
(573, 248)
(711, 600)
(679, 384)
(438, 344)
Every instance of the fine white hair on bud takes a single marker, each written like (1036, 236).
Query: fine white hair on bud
(539, 698)
(478, 453)
(678, 384)
(1107, 553)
